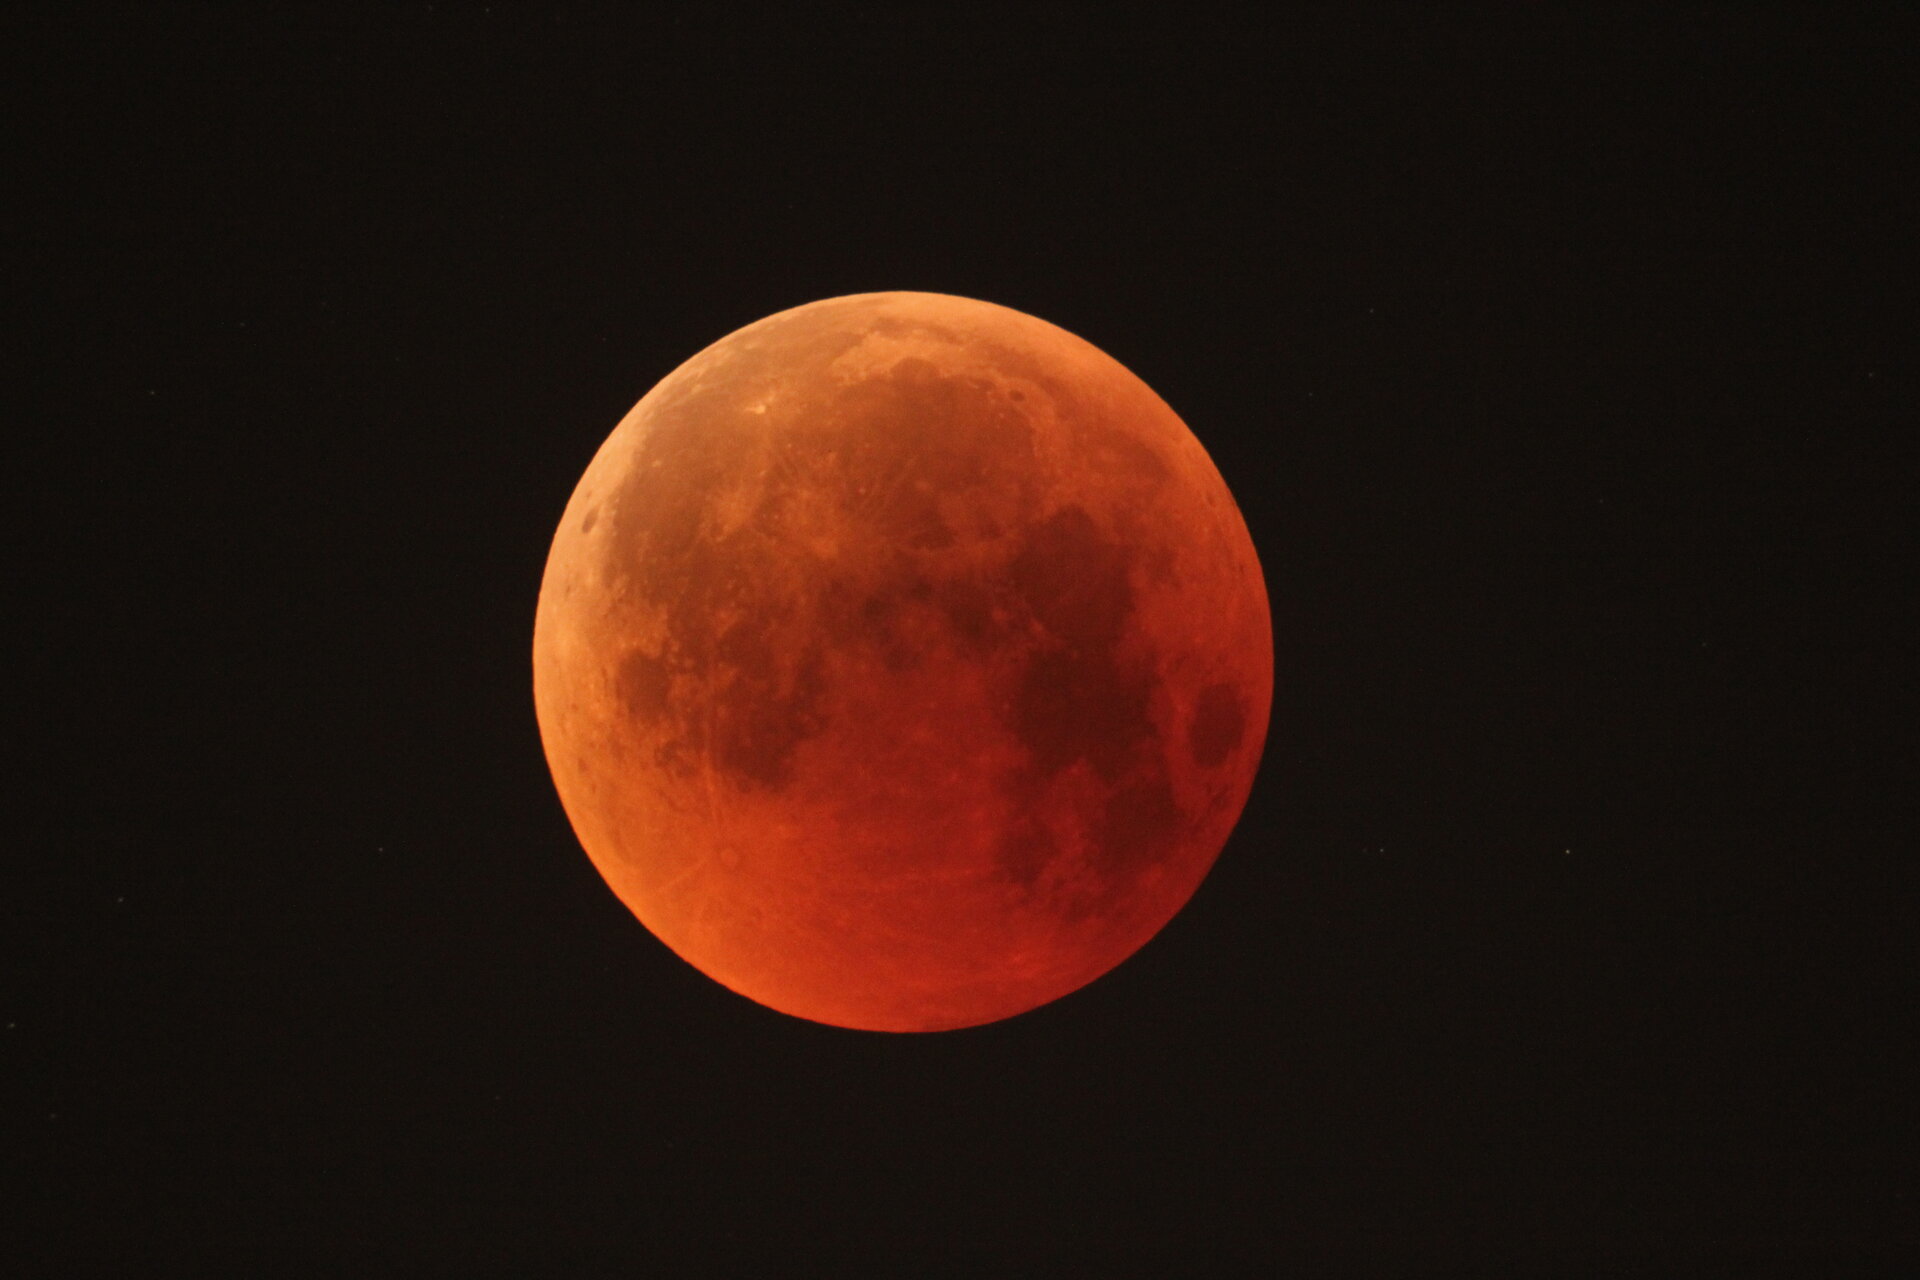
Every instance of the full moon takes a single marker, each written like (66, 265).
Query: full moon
(903, 662)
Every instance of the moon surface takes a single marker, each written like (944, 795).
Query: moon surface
(902, 662)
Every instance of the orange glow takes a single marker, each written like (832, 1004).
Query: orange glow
(902, 661)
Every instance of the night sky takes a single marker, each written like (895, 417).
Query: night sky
(1562, 367)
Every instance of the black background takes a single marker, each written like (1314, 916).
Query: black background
(1561, 366)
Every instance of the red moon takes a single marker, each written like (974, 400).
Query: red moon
(903, 662)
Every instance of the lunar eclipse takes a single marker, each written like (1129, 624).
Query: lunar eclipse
(903, 662)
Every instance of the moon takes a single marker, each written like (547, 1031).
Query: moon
(903, 662)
